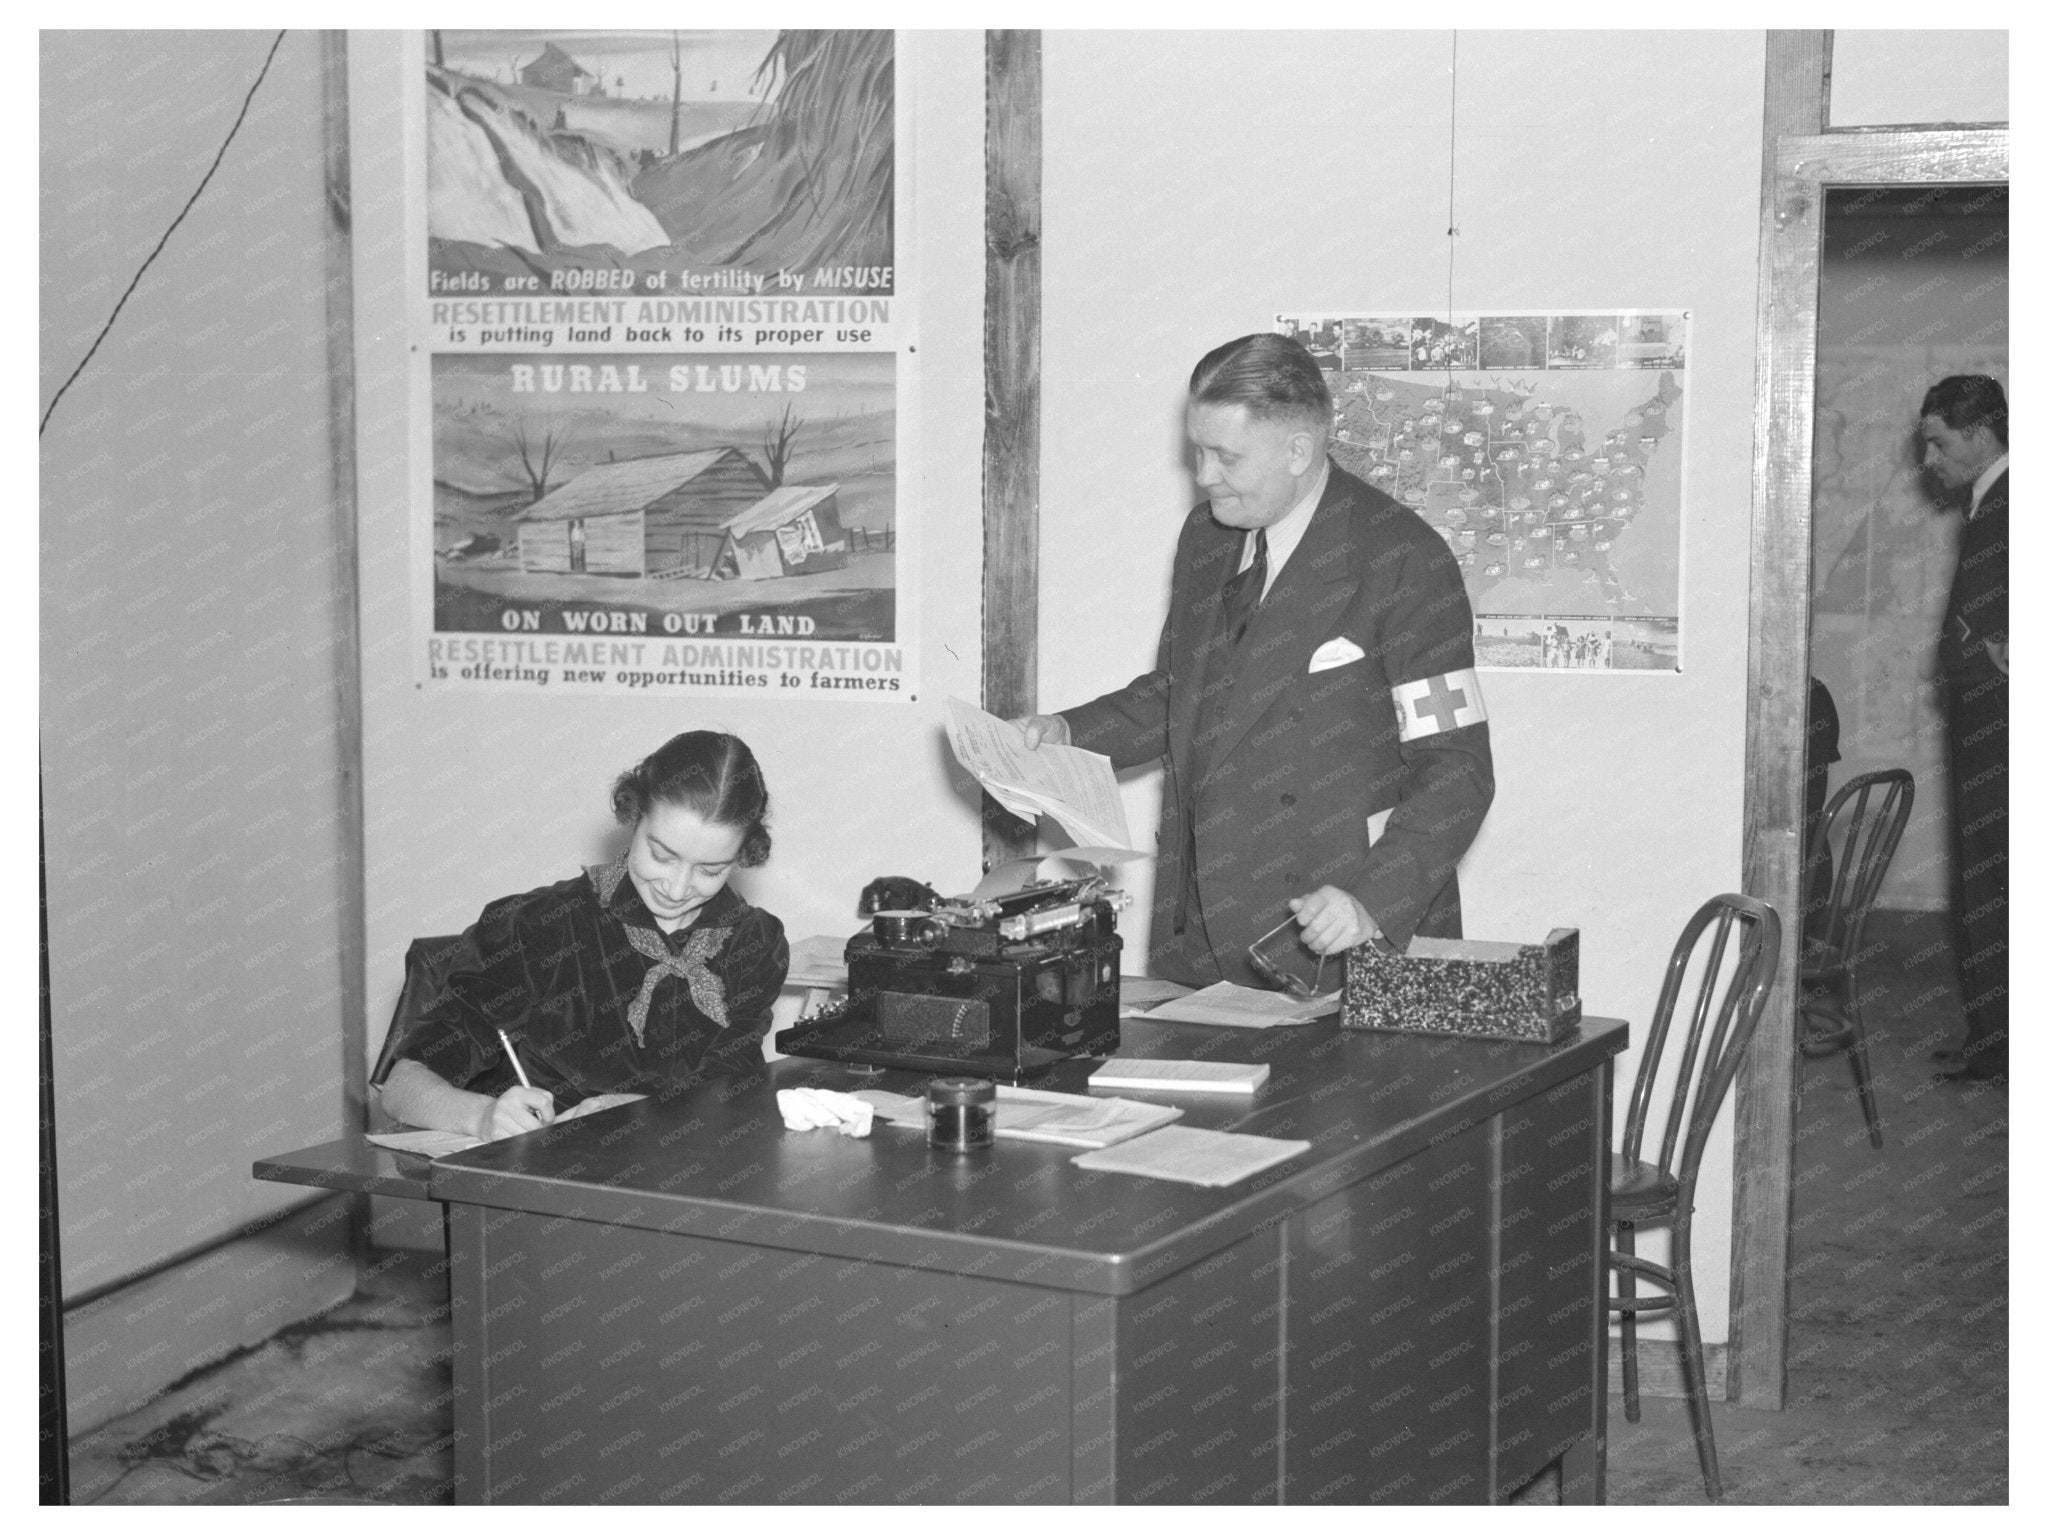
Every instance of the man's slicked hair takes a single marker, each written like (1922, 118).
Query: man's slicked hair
(1272, 376)
(1966, 400)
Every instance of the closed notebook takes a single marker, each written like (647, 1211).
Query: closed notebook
(1180, 1076)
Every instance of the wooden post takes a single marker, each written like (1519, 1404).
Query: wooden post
(352, 942)
(1010, 327)
(1795, 97)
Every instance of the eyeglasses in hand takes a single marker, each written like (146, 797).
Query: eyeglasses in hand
(1265, 955)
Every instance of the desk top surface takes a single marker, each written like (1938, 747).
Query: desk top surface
(714, 1161)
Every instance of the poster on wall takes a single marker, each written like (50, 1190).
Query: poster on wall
(664, 358)
(662, 165)
(1548, 451)
(625, 522)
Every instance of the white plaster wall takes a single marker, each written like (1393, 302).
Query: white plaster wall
(190, 771)
(1196, 183)
(1920, 75)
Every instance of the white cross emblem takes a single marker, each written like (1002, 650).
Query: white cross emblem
(1432, 704)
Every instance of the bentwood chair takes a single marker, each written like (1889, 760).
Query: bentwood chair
(1872, 810)
(1723, 965)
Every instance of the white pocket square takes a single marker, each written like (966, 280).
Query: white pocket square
(1337, 652)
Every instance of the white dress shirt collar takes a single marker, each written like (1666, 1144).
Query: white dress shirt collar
(1284, 535)
(1983, 483)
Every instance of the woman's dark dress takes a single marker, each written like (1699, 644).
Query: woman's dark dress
(559, 971)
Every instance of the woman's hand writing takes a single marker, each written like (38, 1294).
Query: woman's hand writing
(515, 1111)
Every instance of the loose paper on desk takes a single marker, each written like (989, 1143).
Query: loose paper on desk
(1243, 1007)
(1074, 1119)
(1140, 993)
(1076, 788)
(1213, 1158)
(445, 1143)
(1030, 1114)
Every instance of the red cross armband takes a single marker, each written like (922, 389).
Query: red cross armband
(1430, 705)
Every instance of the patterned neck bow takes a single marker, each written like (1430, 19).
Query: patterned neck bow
(692, 966)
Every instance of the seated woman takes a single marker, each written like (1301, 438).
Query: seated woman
(630, 977)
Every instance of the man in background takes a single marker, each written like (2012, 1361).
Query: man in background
(1327, 755)
(1963, 447)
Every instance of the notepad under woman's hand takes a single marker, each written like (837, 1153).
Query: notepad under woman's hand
(445, 1143)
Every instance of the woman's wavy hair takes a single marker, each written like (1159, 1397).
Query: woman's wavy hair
(707, 772)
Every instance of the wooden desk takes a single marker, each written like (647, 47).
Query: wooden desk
(680, 1301)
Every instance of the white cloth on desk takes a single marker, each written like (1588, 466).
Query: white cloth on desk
(819, 1108)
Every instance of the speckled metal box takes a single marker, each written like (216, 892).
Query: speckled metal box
(1467, 986)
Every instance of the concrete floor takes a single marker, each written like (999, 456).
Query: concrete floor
(1898, 1331)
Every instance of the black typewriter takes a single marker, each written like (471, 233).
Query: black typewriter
(1001, 986)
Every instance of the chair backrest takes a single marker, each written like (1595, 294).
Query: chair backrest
(1727, 985)
(1873, 809)
(428, 964)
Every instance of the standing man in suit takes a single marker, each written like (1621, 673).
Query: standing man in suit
(1963, 446)
(1326, 747)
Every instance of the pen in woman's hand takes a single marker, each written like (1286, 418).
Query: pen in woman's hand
(513, 1055)
(517, 1109)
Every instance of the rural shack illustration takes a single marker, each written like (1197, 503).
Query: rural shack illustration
(792, 531)
(704, 514)
(554, 70)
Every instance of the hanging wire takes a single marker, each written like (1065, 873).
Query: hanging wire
(160, 244)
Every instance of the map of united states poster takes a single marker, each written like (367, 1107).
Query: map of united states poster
(1546, 449)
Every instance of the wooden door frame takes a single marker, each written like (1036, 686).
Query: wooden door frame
(1009, 451)
(1803, 158)
(352, 939)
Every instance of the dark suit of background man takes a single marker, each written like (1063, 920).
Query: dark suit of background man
(1963, 445)
(1327, 754)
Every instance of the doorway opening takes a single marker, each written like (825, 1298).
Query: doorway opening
(1913, 288)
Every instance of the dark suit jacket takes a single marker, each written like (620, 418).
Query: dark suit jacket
(1304, 758)
(1977, 597)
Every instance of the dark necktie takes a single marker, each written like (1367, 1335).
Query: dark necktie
(1240, 599)
(1241, 593)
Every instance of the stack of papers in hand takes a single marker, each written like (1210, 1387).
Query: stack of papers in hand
(1243, 1007)
(1180, 1076)
(1076, 788)
(1183, 1154)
